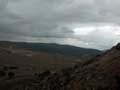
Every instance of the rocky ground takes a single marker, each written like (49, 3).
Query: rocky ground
(99, 73)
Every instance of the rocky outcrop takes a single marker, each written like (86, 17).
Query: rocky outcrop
(118, 46)
(101, 74)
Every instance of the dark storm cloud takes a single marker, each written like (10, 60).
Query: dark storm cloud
(55, 21)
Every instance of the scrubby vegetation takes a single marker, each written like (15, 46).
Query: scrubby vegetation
(11, 75)
(99, 73)
(13, 67)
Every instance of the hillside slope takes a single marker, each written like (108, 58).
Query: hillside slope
(65, 50)
(28, 61)
(99, 73)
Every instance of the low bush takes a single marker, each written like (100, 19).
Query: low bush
(11, 75)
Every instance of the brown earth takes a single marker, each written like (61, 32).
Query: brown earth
(99, 73)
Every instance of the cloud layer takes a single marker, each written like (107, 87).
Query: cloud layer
(84, 23)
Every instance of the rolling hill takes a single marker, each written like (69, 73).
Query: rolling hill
(65, 50)
(100, 73)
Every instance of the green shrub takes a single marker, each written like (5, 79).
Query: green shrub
(13, 67)
(5, 68)
(44, 74)
(11, 75)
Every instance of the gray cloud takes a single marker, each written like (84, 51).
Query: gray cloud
(55, 20)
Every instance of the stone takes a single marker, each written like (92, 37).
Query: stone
(118, 46)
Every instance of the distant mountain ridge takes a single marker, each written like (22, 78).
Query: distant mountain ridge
(66, 50)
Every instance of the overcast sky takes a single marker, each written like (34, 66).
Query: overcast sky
(84, 23)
